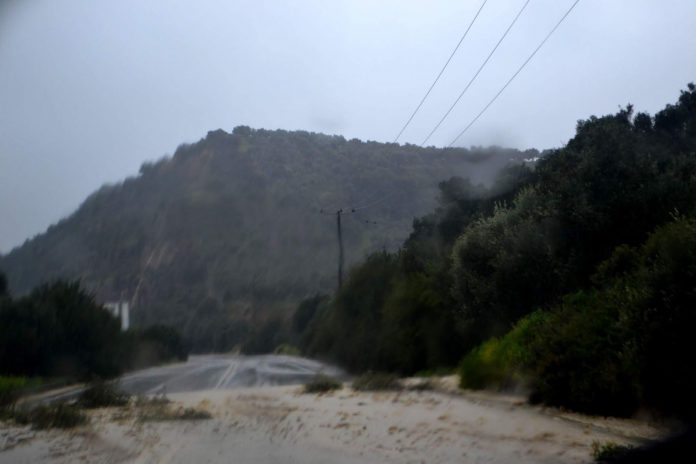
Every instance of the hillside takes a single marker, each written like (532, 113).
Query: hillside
(228, 232)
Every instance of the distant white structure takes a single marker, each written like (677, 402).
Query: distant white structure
(121, 311)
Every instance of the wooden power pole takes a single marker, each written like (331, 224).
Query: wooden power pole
(339, 232)
(340, 248)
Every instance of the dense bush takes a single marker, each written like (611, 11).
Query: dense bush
(630, 342)
(583, 359)
(503, 363)
(610, 452)
(576, 355)
(623, 345)
(58, 330)
(503, 265)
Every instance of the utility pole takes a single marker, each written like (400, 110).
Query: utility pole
(339, 232)
(340, 248)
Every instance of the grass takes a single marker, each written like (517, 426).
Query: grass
(161, 410)
(170, 414)
(101, 395)
(98, 395)
(58, 415)
(609, 451)
(193, 414)
(376, 381)
(321, 384)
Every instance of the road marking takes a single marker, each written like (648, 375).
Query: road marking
(227, 375)
(161, 387)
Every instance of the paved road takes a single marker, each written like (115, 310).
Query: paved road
(208, 372)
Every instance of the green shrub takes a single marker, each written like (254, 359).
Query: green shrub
(58, 415)
(321, 384)
(502, 363)
(10, 388)
(585, 358)
(484, 367)
(628, 343)
(287, 349)
(609, 451)
(101, 395)
(376, 381)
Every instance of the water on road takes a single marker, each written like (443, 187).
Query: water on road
(211, 372)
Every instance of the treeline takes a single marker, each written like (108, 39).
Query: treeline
(619, 345)
(226, 234)
(59, 331)
(578, 276)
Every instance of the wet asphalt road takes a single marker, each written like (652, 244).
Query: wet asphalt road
(211, 372)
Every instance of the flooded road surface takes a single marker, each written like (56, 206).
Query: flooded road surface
(247, 420)
(217, 372)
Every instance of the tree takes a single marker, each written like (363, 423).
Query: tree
(3, 286)
(59, 330)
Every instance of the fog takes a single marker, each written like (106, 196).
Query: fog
(90, 90)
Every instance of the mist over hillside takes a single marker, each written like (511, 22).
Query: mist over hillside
(228, 231)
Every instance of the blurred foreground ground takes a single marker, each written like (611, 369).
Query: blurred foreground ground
(280, 424)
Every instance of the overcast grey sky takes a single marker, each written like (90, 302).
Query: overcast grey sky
(91, 89)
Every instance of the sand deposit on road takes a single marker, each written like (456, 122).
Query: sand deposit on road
(283, 425)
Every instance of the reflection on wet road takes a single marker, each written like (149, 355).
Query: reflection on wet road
(208, 372)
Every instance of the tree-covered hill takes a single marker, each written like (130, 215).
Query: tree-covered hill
(227, 231)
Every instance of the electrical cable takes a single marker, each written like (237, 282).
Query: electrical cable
(441, 72)
(483, 65)
(516, 73)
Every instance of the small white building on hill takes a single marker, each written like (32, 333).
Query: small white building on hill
(120, 310)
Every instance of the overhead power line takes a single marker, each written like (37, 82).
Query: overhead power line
(363, 220)
(353, 209)
(483, 65)
(374, 202)
(339, 213)
(441, 71)
(529, 58)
